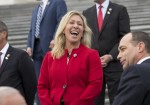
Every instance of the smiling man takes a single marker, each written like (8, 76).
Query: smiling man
(134, 55)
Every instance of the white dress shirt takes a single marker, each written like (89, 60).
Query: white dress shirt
(4, 50)
(104, 7)
(44, 5)
(142, 60)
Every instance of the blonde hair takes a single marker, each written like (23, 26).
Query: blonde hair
(59, 40)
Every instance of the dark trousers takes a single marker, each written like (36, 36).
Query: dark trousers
(112, 80)
(37, 60)
(61, 103)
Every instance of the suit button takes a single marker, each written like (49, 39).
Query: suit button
(64, 86)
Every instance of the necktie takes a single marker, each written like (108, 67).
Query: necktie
(38, 20)
(0, 59)
(100, 18)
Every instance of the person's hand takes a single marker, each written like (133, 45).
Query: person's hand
(51, 44)
(103, 64)
(29, 51)
(105, 60)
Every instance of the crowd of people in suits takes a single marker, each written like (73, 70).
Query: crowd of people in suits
(72, 56)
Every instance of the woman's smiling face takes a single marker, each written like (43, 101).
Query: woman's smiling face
(74, 30)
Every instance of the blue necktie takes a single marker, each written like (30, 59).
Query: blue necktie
(38, 20)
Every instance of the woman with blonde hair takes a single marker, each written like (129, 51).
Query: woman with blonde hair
(71, 74)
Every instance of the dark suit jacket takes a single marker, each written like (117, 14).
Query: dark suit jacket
(115, 25)
(134, 87)
(52, 15)
(17, 71)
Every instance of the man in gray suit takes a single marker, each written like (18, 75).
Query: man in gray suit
(134, 55)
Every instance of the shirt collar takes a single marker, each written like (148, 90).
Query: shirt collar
(5, 48)
(104, 4)
(44, 1)
(142, 60)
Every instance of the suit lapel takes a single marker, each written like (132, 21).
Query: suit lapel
(107, 15)
(94, 20)
(46, 8)
(6, 58)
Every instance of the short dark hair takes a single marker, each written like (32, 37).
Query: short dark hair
(139, 36)
(3, 27)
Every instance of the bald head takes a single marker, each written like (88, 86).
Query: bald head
(11, 96)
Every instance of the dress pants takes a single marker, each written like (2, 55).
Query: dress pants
(61, 103)
(112, 80)
(37, 60)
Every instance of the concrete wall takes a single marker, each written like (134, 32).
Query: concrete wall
(11, 2)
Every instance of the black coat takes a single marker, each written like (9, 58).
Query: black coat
(134, 87)
(115, 25)
(17, 71)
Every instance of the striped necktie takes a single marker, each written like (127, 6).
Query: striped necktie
(38, 20)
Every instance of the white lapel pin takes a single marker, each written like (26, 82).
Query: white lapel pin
(108, 12)
(110, 9)
(7, 56)
(74, 55)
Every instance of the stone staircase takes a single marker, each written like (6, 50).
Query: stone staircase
(18, 17)
(139, 11)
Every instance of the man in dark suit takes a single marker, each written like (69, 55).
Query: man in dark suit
(38, 45)
(115, 23)
(16, 68)
(134, 55)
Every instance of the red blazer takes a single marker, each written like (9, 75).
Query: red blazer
(78, 82)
